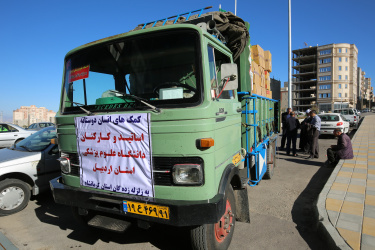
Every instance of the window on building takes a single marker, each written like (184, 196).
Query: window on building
(339, 59)
(340, 86)
(327, 60)
(346, 94)
(324, 78)
(325, 69)
(346, 77)
(329, 95)
(339, 94)
(346, 59)
(339, 68)
(346, 50)
(346, 86)
(339, 77)
(327, 86)
(320, 95)
(325, 52)
(346, 68)
(339, 50)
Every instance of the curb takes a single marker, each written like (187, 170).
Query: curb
(324, 226)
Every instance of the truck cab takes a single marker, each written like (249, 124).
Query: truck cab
(182, 84)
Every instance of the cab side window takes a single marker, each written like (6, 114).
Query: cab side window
(216, 59)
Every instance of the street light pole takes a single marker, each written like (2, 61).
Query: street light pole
(290, 58)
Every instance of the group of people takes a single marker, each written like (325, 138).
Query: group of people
(309, 137)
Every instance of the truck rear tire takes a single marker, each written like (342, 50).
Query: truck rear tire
(14, 196)
(271, 157)
(219, 235)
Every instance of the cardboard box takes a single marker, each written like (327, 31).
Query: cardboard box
(267, 80)
(263, 92)
(268, 61)
(263, 77)
(257, 74)
(257, 54)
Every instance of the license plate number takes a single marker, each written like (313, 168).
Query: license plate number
(146, 209)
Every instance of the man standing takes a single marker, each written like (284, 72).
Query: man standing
(304, 144)
(315, 131)
(284, 117)
(292, 126)
(343, 149)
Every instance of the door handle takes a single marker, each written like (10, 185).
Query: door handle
(15, 135)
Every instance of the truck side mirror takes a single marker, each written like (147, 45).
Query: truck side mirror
(229, 71)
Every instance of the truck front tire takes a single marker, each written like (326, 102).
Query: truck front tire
(14, 196)
(219, 235)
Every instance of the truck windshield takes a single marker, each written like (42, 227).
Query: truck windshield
(163, 68)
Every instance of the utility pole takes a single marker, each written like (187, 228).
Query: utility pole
(290, 58)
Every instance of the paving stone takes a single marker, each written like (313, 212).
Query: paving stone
(359, 182)
(370, 192)
(356, 195)
(360, 170)
(369, 211)
(336, 196)
(342, 179)
(356, 227)
(352, 238)
(372, 167)
(368, 226)
(371, 176)
(346, 169)
(350, 217)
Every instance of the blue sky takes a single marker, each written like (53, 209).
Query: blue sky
(36, 35)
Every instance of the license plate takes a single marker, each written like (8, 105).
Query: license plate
(146, 209)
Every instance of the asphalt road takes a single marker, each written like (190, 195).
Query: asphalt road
(281, 217)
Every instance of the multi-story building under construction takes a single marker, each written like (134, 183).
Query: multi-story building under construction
(325, 77)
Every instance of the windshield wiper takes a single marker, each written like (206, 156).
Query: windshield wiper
(26, 148)
(141, 100)
(85, 110)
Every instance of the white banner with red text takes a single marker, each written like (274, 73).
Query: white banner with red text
(115, 153)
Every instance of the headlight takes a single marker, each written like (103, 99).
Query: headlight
(65, 165)
(187, 174)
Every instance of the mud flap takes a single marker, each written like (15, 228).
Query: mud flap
(242, 205)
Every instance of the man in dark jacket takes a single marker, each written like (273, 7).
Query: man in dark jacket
(343, 149)
(292, 126)
(315, 131)
(304, 142)
(284, 117)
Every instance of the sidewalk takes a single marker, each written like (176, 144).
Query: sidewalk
(346, 205)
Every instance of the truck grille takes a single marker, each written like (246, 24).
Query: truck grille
(162, 167)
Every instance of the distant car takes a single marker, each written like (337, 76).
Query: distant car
(11, 133)
(365, 110)
(330, 121)
(26, 169)
(40, 125)
(350, 115)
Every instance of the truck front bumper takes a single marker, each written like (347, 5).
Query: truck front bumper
(181, 213)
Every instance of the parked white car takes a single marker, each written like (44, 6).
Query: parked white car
(330, 121)
(11, 133)
(350, 115)
(26, 168)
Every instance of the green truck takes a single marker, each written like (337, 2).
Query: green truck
(159, 126)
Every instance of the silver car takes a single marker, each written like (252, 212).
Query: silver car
(40, 125)
(11, 133)
(330, 121)
(26, 169)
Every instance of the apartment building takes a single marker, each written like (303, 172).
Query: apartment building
(27, 115)
(325, 77)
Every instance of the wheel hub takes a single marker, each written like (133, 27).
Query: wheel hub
(225, 224)
(11, 198)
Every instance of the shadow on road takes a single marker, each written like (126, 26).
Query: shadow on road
(303, 209)
(162, 237)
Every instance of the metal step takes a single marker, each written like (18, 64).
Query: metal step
(109, 223)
